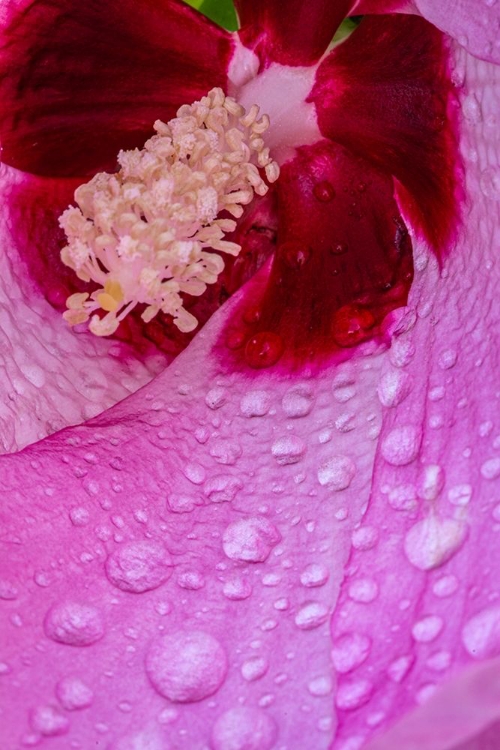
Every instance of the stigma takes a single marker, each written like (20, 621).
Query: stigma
(155, 229)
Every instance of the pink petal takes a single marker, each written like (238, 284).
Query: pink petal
(298, 36)
(385, 94)
(80, 81)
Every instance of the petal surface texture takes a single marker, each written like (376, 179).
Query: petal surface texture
(80, 81)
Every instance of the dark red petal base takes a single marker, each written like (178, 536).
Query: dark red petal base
(297, 34)
(81, 80)
(343, 262)
(385, 94)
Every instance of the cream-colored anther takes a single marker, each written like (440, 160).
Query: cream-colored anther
(145, 235)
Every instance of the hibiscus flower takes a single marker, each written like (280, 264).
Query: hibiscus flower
(285, 538)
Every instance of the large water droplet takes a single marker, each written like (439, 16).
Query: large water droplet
(73, 693)
(351, 325)
(432, 541)
(366, 537)
(363, 590)
(427, 629)
(315, 574)
(139, 566)
(401, 445)
(226, 452)
(324, 191)
(481, 634)
(352, 695)
(79, 516)
(288, 450)
(250, 539)
(311, 615)
(336, 473)
(74, 624)
(349, 651)
(254, 668)
(186, 666)
(222, 488)
(394, 387)
(320, 686)
(263, 350)
(399, 668)
(49, 721)
(244, 728)
(237, 589)
(255, 403)
(490, 469)
(297, 402)
(215, 398)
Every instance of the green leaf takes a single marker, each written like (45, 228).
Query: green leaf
(221, 12)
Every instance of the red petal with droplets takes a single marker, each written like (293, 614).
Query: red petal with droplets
(343, 261)
(80, 81)
(296, 36)
(385, 94)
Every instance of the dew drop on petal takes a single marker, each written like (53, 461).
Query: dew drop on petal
(432, 541)
(139, 566)
(263, 350)
(295, 254)
(73, 624)
(49, 721)
(73, 693)
(254, 668)
(445, 586)
(490, 469)
(186, 666)
(244, 728)
(215, 398)
(351, 325)
(363, 590)
(427, 629)
(481, 634)
(336, 473)
(401, 445)
(352, 695)
(394, 387)
(349, 651)
(364, 538)
(323, 191)
(237, 589)
(297, 402)
(255, 403)
(311, 615)
(250, 539)
(315, 574)
(288, 450)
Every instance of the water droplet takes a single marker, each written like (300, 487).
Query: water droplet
(237, 589)
(403, 497)
(427, 629)
(349, 651)
(264, 349)
(244, 728)
(215, 398)
(222, 488)
(79, 516)
(254, 668)
(402, 352)
(352, 695)
(324, 191)
(491, 468)
(399, 668)
(255, 404)
(481, 634)
(460, 494)
(195, 473)
(49, 721)
(339, 248)
(182, 503)
(226, 452)
(351, 325)
(490, 183)
(320, 686)
(139, 566)
(394, 387)
(73, 693)
(439, 661)
(271, 579)
(186, 666)
(288, 450)
(191, 580)
(295, 254)
(447, 359)
(311, 615)
(366, 537)
(250, 539)
(445, 586)
(363, 590)
(315, 574)
(471, 108)
(336, 473)
(401, 445)
(73, 623)
(431, 482)
(297, 402)
(8, 592)
(235, 339)
(433, 541)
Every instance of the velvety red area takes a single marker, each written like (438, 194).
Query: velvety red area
(386, 95)
(343, 261)
(298, 35)
(80, 81)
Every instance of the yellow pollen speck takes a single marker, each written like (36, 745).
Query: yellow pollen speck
(145, 235)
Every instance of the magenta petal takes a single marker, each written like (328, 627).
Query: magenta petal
(385, 94)
(297, 36)
(173, 565)
(80, 81)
